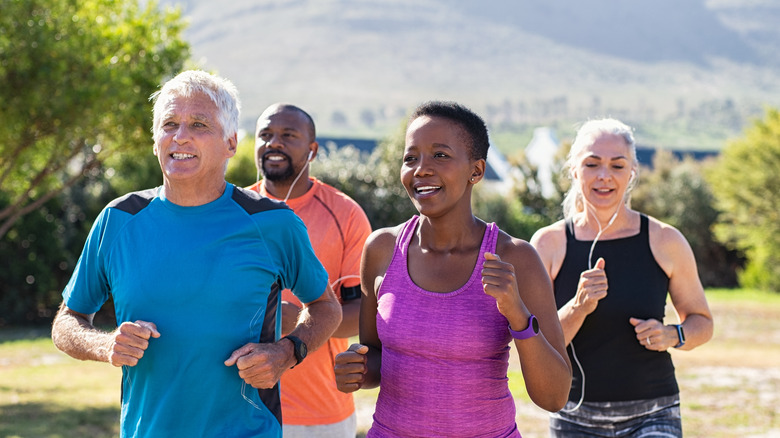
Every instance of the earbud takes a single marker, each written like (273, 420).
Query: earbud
(311, 154)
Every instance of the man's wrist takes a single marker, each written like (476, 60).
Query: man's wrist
(299, 349)
(105, 347)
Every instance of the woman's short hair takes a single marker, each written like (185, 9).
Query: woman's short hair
(468, 119)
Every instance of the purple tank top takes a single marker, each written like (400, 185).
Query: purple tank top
(444, 355)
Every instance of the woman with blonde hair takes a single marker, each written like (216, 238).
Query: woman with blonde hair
(612, 268)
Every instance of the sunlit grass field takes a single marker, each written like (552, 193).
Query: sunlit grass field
(730, 387)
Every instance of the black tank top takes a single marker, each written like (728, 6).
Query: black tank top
(616, 366)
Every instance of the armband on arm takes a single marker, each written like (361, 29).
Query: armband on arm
(350, 293)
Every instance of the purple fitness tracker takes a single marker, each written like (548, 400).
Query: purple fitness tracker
(530, 332)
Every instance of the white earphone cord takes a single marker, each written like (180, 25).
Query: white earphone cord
(294, 181)
(338, 280)
(590, 266)
(288, 197)
(598, 235)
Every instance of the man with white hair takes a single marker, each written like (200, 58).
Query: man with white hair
(195, 268)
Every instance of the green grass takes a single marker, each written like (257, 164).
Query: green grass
(44, 393)
(744, 296)
(730, 387)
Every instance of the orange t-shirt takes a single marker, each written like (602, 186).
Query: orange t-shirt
(337, 228)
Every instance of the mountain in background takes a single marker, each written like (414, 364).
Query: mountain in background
(687, 74)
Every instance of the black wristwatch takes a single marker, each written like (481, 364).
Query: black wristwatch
(299, 348)
(680, 336)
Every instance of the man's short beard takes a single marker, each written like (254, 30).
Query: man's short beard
(285, 175)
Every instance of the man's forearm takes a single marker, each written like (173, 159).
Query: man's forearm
(75, 335)
(318, 321)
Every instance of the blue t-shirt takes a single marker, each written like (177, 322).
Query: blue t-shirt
(210, 277)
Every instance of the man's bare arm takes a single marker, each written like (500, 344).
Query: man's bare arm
(74, 334)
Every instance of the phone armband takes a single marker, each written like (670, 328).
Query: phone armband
(350, 293)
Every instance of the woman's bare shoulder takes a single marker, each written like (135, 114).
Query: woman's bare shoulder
(380, 243)
(551, 236)
(382, 235)
(665, 235)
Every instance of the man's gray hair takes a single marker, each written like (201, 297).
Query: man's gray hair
(220, 90)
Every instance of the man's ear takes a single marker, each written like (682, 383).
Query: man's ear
(314, 148)
(232, 144)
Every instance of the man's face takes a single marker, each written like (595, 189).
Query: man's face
(282, 144)
(189, 143)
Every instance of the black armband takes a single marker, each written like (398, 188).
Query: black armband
(350, 293)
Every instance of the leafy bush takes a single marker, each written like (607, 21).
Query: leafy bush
(746, 186)
(675, 191)
(372, 180)
(507, 212)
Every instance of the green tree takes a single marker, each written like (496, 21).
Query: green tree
(675, 191)
(507, 211)
(372, 180)
(75, 79)
(33, 266)
(746, 186)
(241, 169)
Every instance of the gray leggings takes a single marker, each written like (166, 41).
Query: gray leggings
(659, 417)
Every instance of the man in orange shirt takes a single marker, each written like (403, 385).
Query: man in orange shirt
(285, 143)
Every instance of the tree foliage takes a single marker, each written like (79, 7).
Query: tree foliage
(746, 185)
(75, 79)
(241, 169)
(528, 188)
(675, 191)
(372, 180)
(507, 211)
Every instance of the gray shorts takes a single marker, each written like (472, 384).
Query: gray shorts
(658, 417)
(342, 429)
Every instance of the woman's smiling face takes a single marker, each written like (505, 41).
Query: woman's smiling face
(437, 164)
(604, 171)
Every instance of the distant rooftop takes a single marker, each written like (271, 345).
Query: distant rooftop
(361, 144)
(645, 155)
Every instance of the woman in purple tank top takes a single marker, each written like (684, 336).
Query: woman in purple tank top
(443, 296)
